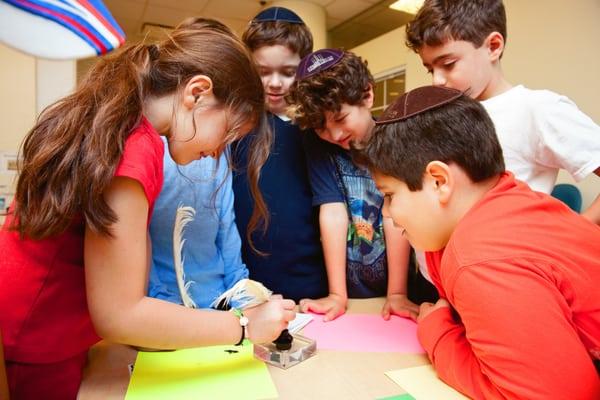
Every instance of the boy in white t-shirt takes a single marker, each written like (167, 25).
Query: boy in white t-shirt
(460, 43)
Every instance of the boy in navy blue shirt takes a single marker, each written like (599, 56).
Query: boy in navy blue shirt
(365, 255)
(292, 260)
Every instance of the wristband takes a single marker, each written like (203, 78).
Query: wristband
(243, 323)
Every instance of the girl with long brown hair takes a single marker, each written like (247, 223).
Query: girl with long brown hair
(91, 170)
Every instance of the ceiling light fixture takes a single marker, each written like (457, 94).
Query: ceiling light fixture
(407, 6)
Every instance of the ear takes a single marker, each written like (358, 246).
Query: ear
(369, 97)
(438, 176)
(198, 87)
(495, 45)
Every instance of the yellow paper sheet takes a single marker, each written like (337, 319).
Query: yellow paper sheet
(423, 384)
(201, 373)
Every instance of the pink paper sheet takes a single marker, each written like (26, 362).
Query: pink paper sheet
(365, 333)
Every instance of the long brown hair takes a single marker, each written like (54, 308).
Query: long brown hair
(258, 153)
(70, 155)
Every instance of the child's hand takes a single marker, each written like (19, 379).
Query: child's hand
(332, 306)
(400, 305)
(428, 308)
(266, 321)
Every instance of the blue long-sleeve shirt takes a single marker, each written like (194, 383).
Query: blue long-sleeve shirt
(211, 253)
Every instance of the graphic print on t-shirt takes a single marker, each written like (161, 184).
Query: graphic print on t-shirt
(366, 262)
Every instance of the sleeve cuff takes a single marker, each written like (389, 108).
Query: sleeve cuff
(434, 327)
(317, 201)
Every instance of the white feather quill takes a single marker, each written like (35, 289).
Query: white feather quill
(184, 216)
(245, 293)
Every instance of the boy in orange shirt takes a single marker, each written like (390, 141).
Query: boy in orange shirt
(517, 270)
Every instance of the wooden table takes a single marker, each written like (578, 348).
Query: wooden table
(327, 375)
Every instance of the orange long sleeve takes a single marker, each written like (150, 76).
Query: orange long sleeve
(519, 340)
(521, 272)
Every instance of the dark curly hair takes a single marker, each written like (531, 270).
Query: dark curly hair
(346, 82)
(469, 20)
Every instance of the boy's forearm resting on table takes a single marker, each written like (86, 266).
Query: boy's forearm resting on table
(522, 348)
(397, 251)
(398, 254)
(333, 221)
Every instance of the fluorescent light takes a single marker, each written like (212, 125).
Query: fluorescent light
(407, 6)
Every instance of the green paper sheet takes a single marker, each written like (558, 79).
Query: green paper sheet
(201, 373)
(404, 396)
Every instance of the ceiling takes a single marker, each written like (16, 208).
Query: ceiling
(349, 22)
(370, 23)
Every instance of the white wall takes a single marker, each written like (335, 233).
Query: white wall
(552, 44)
(312, 14)
(27, 86)
(54, 80)
(17, 96)
(17, 111)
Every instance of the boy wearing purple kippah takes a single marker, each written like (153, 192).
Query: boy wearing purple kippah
(517, 270)
(364, 255)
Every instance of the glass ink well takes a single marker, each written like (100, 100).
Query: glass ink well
(286, 351)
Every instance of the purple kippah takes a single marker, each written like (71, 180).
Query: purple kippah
(417, 101)
(278, 14)
(318, 61)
